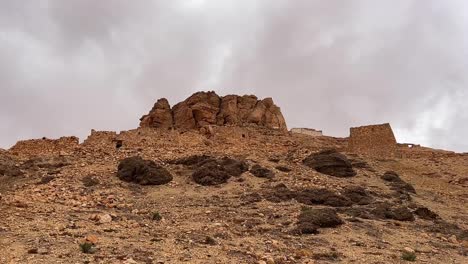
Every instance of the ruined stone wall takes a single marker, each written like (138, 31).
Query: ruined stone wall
(45, 146)
(413, 151)
(101, 139)
(307, 131)
(374, 140)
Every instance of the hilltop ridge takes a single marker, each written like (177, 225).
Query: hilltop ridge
(208, 108)
(213, 181)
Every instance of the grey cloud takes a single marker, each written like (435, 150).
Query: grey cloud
(69, 66)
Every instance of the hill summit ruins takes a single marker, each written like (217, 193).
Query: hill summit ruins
(220, 179)
(204, 111)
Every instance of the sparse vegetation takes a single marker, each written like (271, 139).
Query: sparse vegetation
(408, 256)
(87, 248)
(156, 216)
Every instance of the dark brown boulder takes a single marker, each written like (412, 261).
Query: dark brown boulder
(144, 172)
(426, 214)
(331, 163)
(218, 171)
(387, 211)
(315, 196)
(261, 172)
(358, 195)
(311, 219)
(397, 184)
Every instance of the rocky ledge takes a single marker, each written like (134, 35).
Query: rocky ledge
(207, 108)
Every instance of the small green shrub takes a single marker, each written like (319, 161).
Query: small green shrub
(408, 256)
(87, 248)
(156, 216)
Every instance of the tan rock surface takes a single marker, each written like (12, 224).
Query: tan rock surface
(160, 116)
(207, 108)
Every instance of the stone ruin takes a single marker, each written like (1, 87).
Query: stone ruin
(374, 140)
(101, 139)
(207, 108)
(307, 131)
(45, 146)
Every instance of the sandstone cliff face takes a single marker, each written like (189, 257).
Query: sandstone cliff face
(159, 116)
(208, 108)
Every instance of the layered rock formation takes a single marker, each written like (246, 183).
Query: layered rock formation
(208, 108)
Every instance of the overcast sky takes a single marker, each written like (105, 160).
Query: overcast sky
(69, 66)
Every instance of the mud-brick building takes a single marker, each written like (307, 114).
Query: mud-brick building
(374, 140)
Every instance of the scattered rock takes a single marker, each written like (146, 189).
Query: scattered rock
(33, 251)
(425, 213)
(8, 167)
(397, 183)
(213, 171)
(102, 219)
(385, 211)
(283, 168)
(409, 250)
(311, 219)
(330, 162)
(261, 172)
(358, 195)
(322, 196)
(46, 179)
(92, 239)
(90, 181)
(106, 218)
(144, 172)
(443, 227)
(210, 241)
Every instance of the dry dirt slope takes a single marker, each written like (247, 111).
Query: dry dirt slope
(52, 204)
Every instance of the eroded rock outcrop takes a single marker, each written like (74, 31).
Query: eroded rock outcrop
(159, 116)
(330, 162)
(144, 172)
(207, 108)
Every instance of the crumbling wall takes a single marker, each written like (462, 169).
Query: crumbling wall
(101, 139)
(307, 131)
(45, 146)
(374, 140)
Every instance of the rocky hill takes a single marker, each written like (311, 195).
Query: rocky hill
(247, 192)
(207, 108)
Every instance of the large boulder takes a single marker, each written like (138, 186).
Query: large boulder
(144, 172)
(261, 172)
(207, 108)
(209, 170)
(396, 183)
(311, 219)
(331, 163)
(217, 171)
